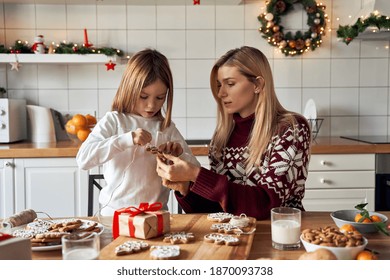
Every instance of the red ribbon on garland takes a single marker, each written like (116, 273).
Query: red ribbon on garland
(196, 2)
(134, 211)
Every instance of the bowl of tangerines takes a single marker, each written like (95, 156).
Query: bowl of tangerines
(363, 220)
(79, 127)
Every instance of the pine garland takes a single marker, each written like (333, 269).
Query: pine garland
(62, 48)
(298, 43)
(350, 32)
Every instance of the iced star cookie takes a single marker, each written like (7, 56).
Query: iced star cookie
(169, 252)
(221, 239)
(179, 237)
(131, 247)
(219, 217)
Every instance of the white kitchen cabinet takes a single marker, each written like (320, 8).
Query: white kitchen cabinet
(340, 181)
(55, 186)
(6, 188)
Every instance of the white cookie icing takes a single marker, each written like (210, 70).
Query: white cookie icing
(220, 216)
(179, 237)
(130, 247)
(164, 252)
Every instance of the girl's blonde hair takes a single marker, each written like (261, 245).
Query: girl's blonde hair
(270, 115)
(144, 68)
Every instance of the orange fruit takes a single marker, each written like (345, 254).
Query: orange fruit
(359, 216)
(83, 133)
(71, 128)
(347, 228)
(366, 255)
(375, 218)
(79, 121)
(91, 120)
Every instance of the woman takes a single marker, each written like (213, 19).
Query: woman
(259, 153)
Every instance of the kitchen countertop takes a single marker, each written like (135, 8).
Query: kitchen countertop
(322, 145)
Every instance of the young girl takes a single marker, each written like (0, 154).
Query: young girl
(259, 153)
(118, 141)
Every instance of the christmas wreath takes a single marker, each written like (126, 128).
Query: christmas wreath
(293, 44)
(348, 32)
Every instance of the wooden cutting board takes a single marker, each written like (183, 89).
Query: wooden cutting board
(196, 250)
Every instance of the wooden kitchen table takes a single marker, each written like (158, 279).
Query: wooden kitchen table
(261, 244)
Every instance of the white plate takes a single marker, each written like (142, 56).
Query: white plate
(310, 112)
(59, 246)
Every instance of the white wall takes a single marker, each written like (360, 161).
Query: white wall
(350, 84)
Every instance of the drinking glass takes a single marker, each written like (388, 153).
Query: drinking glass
(81, 246)
(285, 228)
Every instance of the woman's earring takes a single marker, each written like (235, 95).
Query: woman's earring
(257, 92)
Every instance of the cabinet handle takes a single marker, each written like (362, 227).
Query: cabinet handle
(8, 164)
(323, 181)
(323, 162)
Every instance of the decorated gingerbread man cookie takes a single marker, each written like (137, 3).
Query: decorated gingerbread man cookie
(221, 239)
(130, 247)
(219, 217)
(179, 237)
(168, 252)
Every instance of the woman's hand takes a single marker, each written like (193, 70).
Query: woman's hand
(182, 187)
(177, 170)
(171, 148)
(141, 137)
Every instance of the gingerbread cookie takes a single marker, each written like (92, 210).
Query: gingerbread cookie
(169, 252)
(220, 239)
(224, 227)
(220, 217)
(179, 237)
(240, 221)
(130, 247)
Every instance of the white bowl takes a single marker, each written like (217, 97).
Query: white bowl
(342, 253)
(342, 217)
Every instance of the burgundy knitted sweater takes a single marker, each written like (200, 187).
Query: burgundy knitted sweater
(279, 181)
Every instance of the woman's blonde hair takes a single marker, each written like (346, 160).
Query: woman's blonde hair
(270, 115)
(144, 68)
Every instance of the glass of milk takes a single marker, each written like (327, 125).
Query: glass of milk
(285, 228)
(85, 246)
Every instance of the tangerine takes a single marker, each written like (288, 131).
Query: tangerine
(91, 120)
(358, 217)
(83, 133)
(79, 121)
(347, 228)
(366, 255)
(375, 218)
(71, 128)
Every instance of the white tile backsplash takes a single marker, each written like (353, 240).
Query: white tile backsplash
(200, 44)
(349, 83)
(171, 17)
(200, 17)
(45, 18)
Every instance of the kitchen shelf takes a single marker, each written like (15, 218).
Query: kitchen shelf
(57, 58)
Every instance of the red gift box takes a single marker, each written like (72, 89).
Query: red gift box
(146, 221)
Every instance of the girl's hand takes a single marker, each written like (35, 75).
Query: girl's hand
(171, 148)
(141, 137)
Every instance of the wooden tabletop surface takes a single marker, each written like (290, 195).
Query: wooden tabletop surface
(261, 244)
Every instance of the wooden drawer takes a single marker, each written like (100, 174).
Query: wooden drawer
(326, 200)
(340, 180)
(324, 162)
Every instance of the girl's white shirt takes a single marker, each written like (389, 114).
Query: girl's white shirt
(129, 170)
